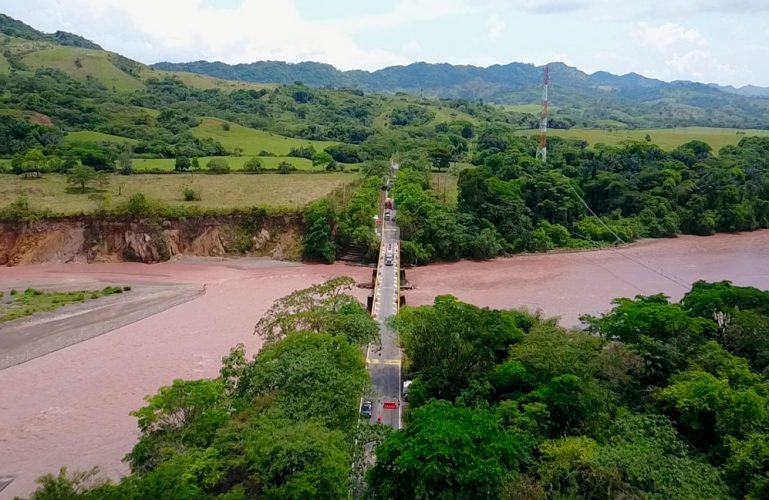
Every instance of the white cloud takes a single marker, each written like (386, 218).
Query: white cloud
(657, 9)
(183, 30)
(667, 35)
(495, 26)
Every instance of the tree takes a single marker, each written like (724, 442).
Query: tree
(319, 243)
(321, 158)
(184, 414)
(182, 164)
(447, 452)
(81, 176)
(298, 459)
(327, 307)
(450, 342)
(125, 163)
(315, 376)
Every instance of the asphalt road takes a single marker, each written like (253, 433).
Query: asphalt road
(385, 364)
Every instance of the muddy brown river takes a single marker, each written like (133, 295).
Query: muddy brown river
(71, 407)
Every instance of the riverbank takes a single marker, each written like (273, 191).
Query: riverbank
(71, 407)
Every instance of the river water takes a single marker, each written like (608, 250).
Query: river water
(71, 407)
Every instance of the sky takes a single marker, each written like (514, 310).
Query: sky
(721, 41)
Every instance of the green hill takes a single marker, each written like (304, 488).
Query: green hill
(251, 141)
(82, 64)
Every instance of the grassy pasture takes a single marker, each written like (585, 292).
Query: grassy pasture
(91, 137)
(533, 109)
(665, 138)
(81, 63)
(4, 66)
(235, 162)
(252, 141)
(217, 191)
(206, 82)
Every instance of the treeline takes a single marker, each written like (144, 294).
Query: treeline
(279, 426)
(654, 400)
(343, 220)
(581, 197)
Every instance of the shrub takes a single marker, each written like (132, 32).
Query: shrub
(303, 152)
(138, 205)
(218, 166)
(190, 194)
(253, 165)
(265, 153)
(286, 168)
(19, 210)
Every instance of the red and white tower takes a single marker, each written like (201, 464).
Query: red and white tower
(542, 149)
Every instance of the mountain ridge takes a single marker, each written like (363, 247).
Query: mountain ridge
(266, 71)
(13, 27)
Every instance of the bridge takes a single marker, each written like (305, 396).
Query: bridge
(384, 363)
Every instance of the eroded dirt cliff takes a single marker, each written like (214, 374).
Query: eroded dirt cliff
(88, 239)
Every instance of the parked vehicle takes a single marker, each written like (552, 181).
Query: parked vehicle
(366, 409)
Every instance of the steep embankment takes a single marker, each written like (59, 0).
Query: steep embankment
(90, 239)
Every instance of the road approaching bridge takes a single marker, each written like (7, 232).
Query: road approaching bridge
(384, 364)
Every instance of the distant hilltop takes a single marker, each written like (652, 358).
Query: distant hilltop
(597, 100)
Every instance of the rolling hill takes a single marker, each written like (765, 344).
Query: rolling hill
(583, 99)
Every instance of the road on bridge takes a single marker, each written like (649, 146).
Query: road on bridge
(385, 364)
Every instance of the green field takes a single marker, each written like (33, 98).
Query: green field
(532, 109)
(82, 63)
(252, 141)
(665, 138)
(91, 137)
(236, 163)
(217, 191)
(206, 82)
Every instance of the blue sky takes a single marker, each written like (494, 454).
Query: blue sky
(723, 41)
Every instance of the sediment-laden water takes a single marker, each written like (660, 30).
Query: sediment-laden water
(71, 407)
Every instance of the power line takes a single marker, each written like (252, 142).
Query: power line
(672, 278)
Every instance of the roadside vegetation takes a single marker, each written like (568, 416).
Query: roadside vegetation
(15, 304)
(653, 400)
(282, 425)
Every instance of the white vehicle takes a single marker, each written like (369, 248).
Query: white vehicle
(406, 384)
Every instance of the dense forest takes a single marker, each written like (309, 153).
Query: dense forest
(652, 400)
(582, 197)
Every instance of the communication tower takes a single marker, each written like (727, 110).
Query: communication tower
(542, 149)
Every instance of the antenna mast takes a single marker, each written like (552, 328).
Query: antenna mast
(542, 149)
